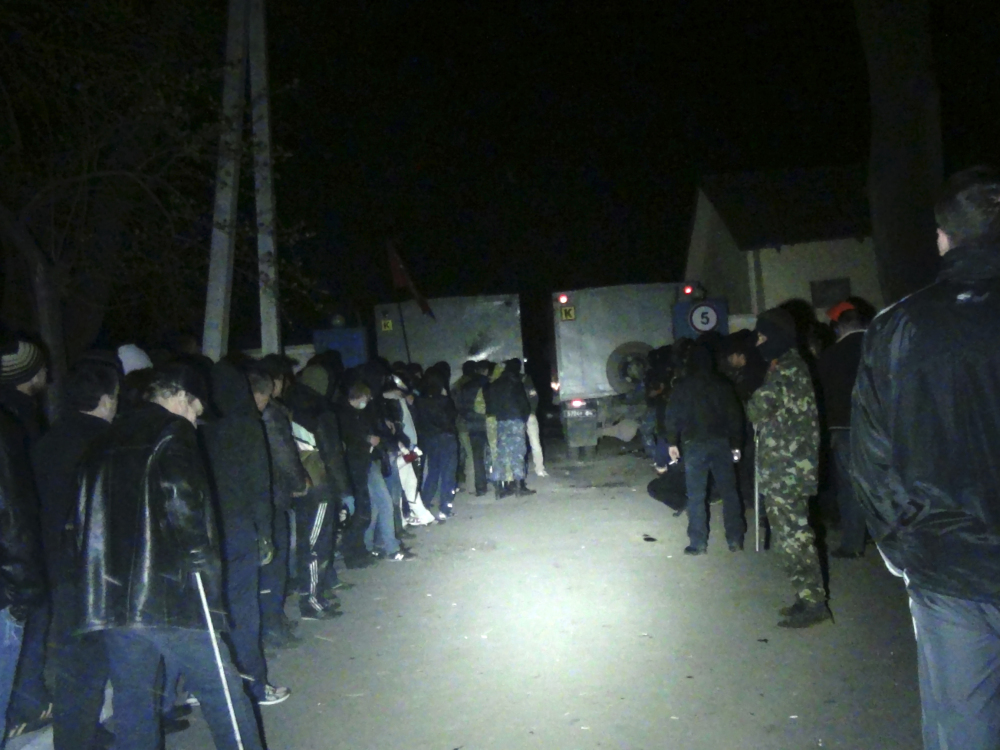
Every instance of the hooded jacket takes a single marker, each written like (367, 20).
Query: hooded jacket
(144, 523)
(465, 401)
(21, 575)
(506, 398)
(925, 429)
(314, 412)
(703, 406)
(238, 459)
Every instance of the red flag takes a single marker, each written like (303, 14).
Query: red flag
(401, 280)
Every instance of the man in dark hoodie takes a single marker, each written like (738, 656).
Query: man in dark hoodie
(91, 401)
(783, 411)
(925, 434)
(703, 420)
(507, 402)
(240, 469)
(435, 418)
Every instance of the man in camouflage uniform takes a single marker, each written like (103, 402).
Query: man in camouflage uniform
(783, 411)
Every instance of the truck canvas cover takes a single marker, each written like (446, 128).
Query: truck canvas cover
(462, 328)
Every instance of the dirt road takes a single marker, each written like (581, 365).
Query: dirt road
(550, 622)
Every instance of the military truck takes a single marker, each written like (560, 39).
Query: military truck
(603, 337)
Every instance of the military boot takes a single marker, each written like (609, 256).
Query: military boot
(812, 613)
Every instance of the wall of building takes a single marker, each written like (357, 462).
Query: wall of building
(715, 260)
(786, 273)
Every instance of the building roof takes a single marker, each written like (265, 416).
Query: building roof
(772, 209)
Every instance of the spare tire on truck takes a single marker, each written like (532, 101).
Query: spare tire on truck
(627, 366)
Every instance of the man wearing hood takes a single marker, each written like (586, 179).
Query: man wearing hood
(507, 402)
(783, 411)
(704, 420)
(240, 469)
(467, 394)
(925, 434)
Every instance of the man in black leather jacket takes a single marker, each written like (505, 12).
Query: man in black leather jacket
(925, 434)
(21, 574)
(144, 528)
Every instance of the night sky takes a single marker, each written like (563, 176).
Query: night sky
(532, 146)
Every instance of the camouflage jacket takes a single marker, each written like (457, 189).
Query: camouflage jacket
(783, 410)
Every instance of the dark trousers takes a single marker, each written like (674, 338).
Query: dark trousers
(314, 536)
(852, 518)
(715, 457)
(479, 443)
(274, 576)
(353, 539)
(242, 571)
(134, 657)
(441, 452)
(31, 696)
(958, 650)
(81, 665)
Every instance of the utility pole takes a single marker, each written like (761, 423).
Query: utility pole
(246, 44)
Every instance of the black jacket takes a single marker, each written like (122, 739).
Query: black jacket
(22, 581)
(925, 429)
(837, 369)
(238, 460)
(144, 525)
(465, 402)
(315, 413)
(703, 406)
(506, 398)
(434, 415)
(288, 476)
(55, 459)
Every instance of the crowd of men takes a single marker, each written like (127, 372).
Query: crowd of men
(169, 505)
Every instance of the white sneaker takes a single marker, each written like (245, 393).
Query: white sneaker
(274, 695)
(541, 473)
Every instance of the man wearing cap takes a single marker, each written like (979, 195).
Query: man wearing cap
(783, 411)
(837, 369)
(144, 532)
(23, 379)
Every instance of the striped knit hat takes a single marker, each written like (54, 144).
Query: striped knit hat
(21, 365)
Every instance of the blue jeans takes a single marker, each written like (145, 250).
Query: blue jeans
(716, 457)
(134, 656)
(441, 471)
(958, 648)
(11, 633)
(380, 536)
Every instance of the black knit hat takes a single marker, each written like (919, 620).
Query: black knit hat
(22, 364)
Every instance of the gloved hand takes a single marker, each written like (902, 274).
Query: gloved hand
(266, 548)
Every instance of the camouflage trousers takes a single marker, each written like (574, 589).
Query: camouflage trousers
(792, 536)
(512, 448)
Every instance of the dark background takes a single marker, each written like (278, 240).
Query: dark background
(535, 146)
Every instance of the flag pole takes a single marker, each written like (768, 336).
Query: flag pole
(402, 327)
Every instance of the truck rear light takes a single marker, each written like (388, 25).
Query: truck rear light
(577, 403)
(563, 299)
(689, 290)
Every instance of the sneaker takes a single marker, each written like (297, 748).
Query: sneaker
(191, 700)
(403, 554)
(812, 613)
(692, 550)
(276, 640)
(442, 517)
(319, 610)
(274, 695)
(361, 561)
(541, 473)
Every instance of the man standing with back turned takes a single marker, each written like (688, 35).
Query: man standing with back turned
(925, 433)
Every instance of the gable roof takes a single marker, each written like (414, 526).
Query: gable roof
(771, 209)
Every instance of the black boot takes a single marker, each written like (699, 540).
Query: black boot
(522, 489)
